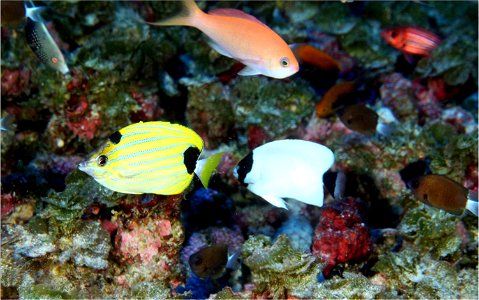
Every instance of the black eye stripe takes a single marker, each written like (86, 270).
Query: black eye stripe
(115, 138)
(244, 167)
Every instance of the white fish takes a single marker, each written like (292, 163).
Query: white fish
(286, 169)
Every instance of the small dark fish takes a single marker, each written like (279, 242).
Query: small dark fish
(360, 118)
(333, 98)
(212, 261)
(443, 193)
(12, 12)
(41, 42)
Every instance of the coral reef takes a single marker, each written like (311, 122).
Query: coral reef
(64, 235)
(279, 270)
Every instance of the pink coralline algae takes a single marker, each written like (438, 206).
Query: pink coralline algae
(8, 204)
(429, 97)
(80, 118)
(341, 236)
(397, 93)
(472, 178)
(149, 108)
(15, 82)
(257, 136)
(461, 119)
(142, 241)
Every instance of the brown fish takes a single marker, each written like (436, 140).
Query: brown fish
(12, 12)
(212, 261)
(360, 118)
(443, 193)
(328, 104)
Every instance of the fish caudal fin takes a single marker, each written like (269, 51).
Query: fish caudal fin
(184, 18)
(205, 167)
(472, 206)
(34, 13)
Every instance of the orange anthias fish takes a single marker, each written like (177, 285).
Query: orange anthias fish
(312, 56)
(241, 36)
(411, 40)
(331, 100)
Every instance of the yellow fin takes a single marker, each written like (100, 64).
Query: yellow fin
(206, 167)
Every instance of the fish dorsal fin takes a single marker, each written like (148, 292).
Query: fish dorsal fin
(231, 12)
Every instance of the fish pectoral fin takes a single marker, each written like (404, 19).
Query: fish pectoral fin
(276, 201)
(248, 71)
(123, 173)
(219, 49)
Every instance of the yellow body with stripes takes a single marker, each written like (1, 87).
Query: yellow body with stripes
(150, 157)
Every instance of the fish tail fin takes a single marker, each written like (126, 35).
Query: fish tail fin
(472, 204)
(205, 167)
(34, 13)
(186, 17)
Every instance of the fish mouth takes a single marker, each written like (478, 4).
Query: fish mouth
(83, 166)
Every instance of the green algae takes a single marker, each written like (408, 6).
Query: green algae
(278, 106)
(348, 286)
(210, 113)
(364, 43)
(452, 60)
(278, 268)
(432, 231)
(89, 247)
(450, 153)
(418, 275)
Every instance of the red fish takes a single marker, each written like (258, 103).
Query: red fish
(411, 40)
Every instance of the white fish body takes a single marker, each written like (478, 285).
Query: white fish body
(287, 169)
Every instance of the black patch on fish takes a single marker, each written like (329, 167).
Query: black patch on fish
(414, 170)
(115, 138)
(244, 167)
(190, 157)
(329, 180)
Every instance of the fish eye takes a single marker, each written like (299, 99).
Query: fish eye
(394, 34)
(284, 62)
(101, 160)
(54, 60)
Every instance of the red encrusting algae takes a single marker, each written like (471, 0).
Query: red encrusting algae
(341, 236)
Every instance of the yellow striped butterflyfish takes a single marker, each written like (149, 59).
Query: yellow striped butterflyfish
(149, 157)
